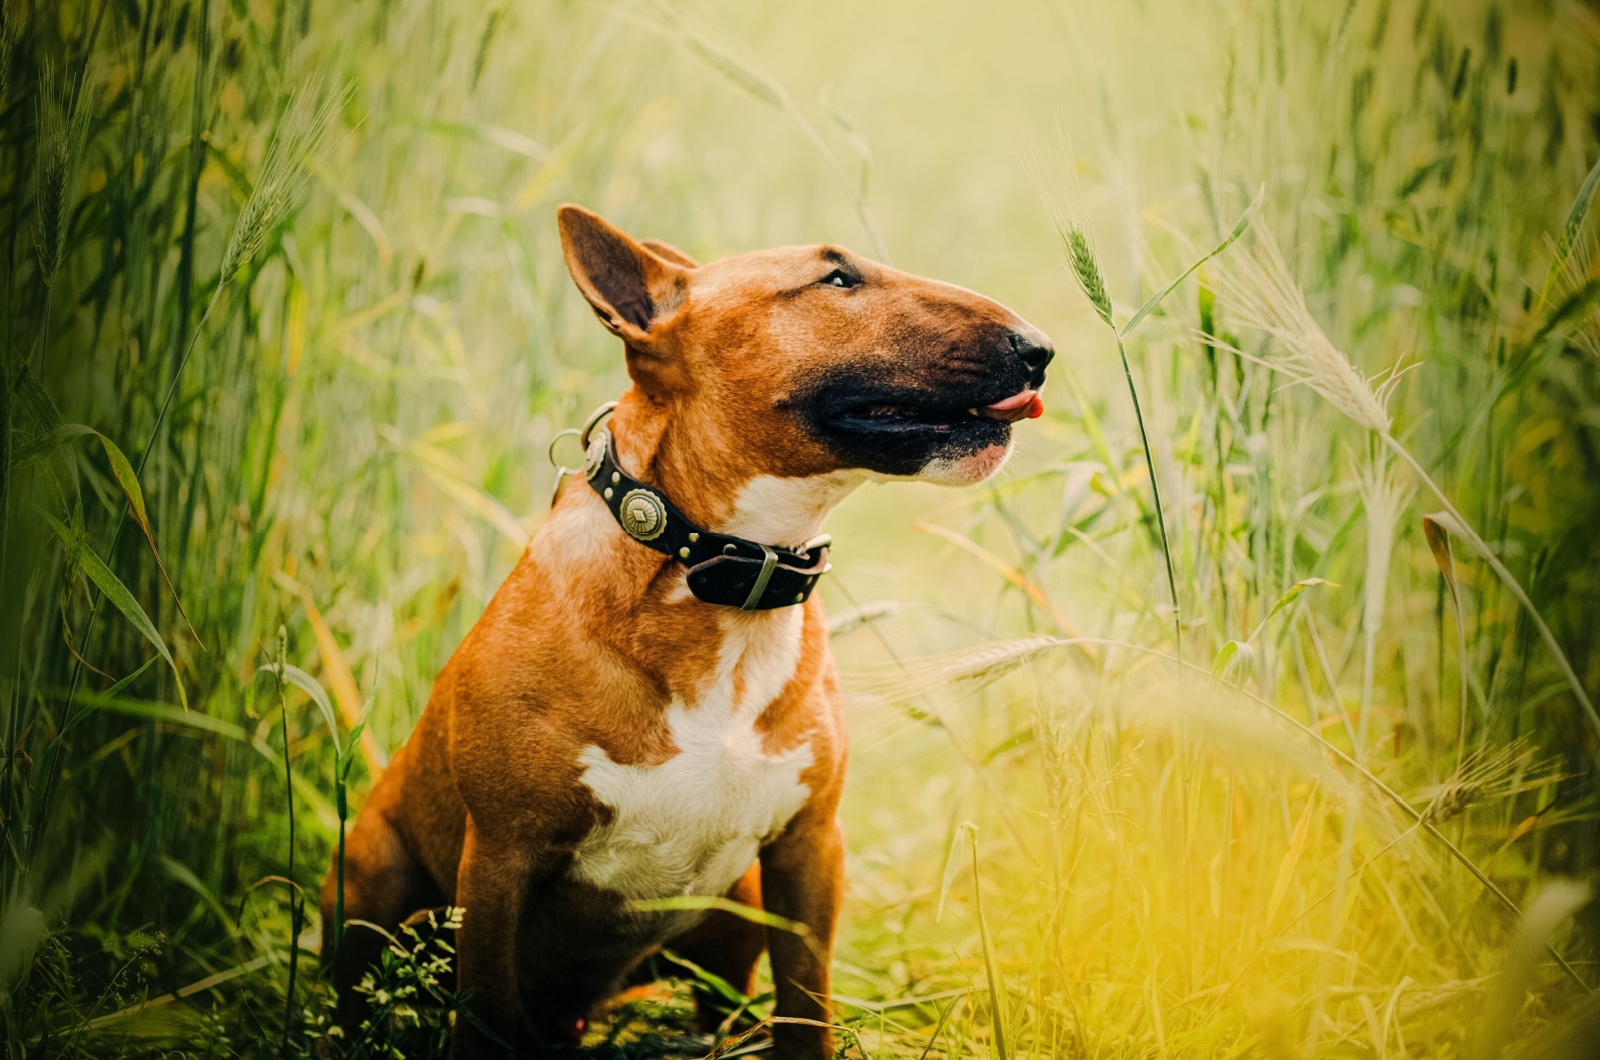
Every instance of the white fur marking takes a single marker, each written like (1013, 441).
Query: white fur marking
(788, 511)
(967, 470)
(693, 824)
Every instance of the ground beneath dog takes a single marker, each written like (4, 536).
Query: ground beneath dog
(658, 1020)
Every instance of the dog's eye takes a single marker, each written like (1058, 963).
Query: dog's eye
(840, 278)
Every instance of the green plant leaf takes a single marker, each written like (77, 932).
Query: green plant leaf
(33, 400)
(162, 712)
(738, 909)
(46, 442)
(991, 961)
(1555, 902)
(712, 981)
(183, 874)
(1573, 308)
(847, 125)
(1286, 599)
(302, 680)
(123, 471)
(1237, 659)
(952, 865)
(84, 558)
(1239, 227)
(100, 699)
(348, 755)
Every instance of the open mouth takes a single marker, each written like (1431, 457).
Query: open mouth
(899, 430)
(912, 415)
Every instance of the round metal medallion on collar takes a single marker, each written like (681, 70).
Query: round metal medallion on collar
(642, 515)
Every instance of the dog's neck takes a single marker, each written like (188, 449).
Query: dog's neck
(706, 474)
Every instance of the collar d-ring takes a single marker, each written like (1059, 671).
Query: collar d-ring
(591, 458)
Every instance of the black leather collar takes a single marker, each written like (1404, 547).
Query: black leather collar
(723, 569)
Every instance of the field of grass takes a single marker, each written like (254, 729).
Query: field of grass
(286, 333)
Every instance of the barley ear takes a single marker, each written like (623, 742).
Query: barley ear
(1570, 232)
(64, 128)
(1086, 272)
(7, 43)
(283, 174)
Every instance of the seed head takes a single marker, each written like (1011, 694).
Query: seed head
(964, 671)
(1054, 174)
(1499, 773)
(1257, 290)
(63, 130)
(1384, 500)
(1086, 271)
(283, 174)
(6, 43)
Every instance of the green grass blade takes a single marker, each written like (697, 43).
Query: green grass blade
(47, 442)
(1286, 599)
(167, 713)
(84, 558)
(1238, 230)
(129, 481)
(991, 962)
(312, 687)
(952, 865)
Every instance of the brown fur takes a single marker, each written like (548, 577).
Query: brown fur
(592, 635)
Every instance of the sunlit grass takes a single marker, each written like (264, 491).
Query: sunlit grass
(1291, 757)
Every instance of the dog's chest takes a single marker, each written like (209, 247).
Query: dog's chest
(692, 825)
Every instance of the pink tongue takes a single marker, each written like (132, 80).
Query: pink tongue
(1024, 405)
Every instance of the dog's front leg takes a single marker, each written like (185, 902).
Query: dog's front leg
(802, 879)
(491, 885)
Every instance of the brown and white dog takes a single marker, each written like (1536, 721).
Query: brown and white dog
(602, 735)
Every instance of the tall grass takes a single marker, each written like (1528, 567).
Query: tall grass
(297, 261)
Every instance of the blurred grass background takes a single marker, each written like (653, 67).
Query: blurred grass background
(283, 287)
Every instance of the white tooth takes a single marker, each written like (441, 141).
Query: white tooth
(972, 412)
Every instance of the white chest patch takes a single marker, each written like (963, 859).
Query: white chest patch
(692, 825)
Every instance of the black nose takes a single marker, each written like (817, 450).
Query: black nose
(1033, 347)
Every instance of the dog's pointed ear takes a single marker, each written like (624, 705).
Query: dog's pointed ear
(662, 249)
(633, 290)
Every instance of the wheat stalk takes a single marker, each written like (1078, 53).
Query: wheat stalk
(64, 129)
(283, 174)
(1384, 500)
(1057, 183)
(972, 667)
(1258, 290)
(7, 46)
(1485, 774)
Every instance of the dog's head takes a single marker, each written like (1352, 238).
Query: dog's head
(813, 359)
